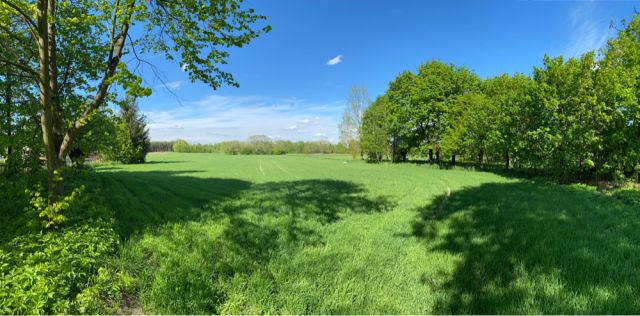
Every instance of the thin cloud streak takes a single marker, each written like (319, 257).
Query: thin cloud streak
(172, 86)
(588, 29)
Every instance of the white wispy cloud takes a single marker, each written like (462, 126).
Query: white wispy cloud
(589, 29)
(173, 85)
(218, 118)
(335, 60)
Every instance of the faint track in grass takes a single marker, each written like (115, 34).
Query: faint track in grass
(260, 167)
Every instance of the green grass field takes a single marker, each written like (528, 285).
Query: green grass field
(292, 234)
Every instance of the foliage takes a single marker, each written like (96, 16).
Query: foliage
(436, 87)
(132, 142)
(573, 120)
(80, 46)
(20, 137)
(260, 145)
(374, 139)
(102, 138)
(180, 146)
(59, 272)
(52, 215)
(161, 146)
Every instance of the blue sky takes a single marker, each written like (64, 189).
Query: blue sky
(294, 80)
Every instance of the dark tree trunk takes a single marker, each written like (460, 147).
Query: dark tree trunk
(394, 150)
(437, 156)
(507, 160)
(431, 155)
(9, 119)
(481, 156)
(453, 159)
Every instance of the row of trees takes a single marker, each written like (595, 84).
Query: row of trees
(571, 117)
(256, 145)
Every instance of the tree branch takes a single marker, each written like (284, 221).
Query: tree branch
(98, 98)
(65, 76)
(113, 28)
(27, 18)
(20, 66)
(17, 38)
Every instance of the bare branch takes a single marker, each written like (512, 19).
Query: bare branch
(153, 67)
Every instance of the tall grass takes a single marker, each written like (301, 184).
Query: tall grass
(215, 234)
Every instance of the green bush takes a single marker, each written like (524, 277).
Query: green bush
(132, 135)
(60, 272)
(180, 146)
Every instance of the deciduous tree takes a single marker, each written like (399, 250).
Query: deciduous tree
(76, 47)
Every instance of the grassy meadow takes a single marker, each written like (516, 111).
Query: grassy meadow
(206, 233)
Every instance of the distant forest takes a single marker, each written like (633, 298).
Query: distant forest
(255, 145)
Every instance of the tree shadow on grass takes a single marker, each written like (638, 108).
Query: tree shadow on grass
(530, 247)
(144, 200)
(493, 167)
(162, 162)
(195, 241)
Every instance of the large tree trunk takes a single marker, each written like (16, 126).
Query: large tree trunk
(47, 116)
(431, 155)
(57, 142)
(453, 159)
(438, 156)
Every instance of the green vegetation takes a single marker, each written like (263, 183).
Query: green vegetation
(188, 232)
(255, 145)
(207, 233)
(574, 119)
(62, 57)
(132, 137)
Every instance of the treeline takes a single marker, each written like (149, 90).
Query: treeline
(576, 117)
(255, 145)
(161, 146)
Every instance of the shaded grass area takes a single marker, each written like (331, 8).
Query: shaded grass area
(295, 234)
(534, 248)
(202, 245)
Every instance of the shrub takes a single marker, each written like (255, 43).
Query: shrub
(180, 146)
(60, 271)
